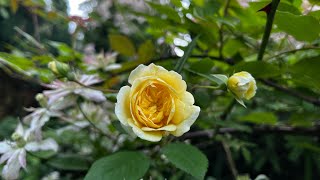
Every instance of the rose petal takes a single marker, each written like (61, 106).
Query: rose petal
(122, 107)
(169, 127)
(171, 78)
(185, 125)
(153, 136)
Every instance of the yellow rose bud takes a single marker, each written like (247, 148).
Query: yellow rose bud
(156, 104)
(242, 85)
(59, 68)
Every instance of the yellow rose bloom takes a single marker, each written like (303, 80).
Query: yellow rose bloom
(156, 104)
(242, 85)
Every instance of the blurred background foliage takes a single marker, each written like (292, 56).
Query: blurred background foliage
(276, 135)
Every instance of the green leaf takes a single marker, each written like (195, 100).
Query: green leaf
(315, 14)
(187, 53)
(166, 10)
(260, 118)
(202, 66)
(306, 73)
(209, 9)
(18, 64)
(314, 2)
(284, 7)
(303, 28)
(187, 158)
(122, 44)
(219, 79)
(69, 162)
(258, 69)
(128, 165)
(146, 51)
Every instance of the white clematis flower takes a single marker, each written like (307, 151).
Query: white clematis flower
(14, 152)
(40, 116)
(64, 89)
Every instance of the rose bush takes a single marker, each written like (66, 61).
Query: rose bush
(156, 104)
(242, 85)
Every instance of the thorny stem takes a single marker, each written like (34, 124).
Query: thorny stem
(267, 30)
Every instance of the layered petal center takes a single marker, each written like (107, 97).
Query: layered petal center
(153, 105)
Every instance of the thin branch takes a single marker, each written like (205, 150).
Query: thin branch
(267, 30)
(230, 160)
(313, 100)
(261, 130)
(292, 51)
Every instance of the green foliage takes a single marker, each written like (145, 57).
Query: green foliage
(187, 158)
(218, 38)
(260, 118)
(71, 162)
(187, 53)
(146, 51)
(306, 73)
(303, 28)
(122, 165)
(122, 44)
(259, 69)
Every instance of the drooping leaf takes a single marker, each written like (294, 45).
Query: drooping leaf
(187, 158)
(187, 53)
(218, 79)
(302, 27)
(128, 165)
(122, 44)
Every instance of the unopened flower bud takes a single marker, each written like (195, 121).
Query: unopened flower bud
(59, 68)
(18, 139)
(242, 85)
(42, 100)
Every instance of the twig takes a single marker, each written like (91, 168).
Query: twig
(292, 51)
(285, 130)
(230, 160)
(267, 30)
(312, 100)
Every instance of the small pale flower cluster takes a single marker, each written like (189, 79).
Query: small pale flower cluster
(53, 103)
